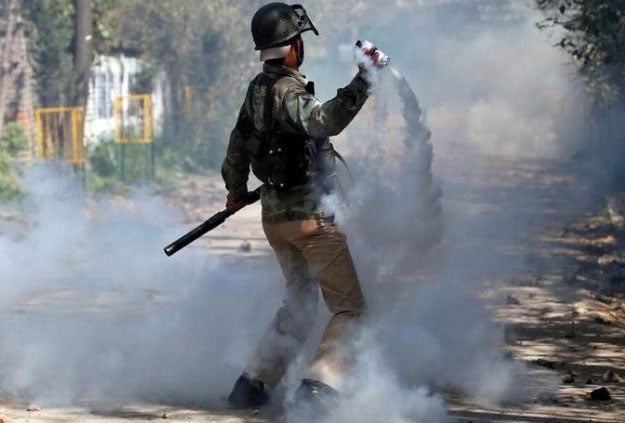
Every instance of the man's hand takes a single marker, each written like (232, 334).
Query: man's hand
(235, 203)
(368, 54)
(371, 61)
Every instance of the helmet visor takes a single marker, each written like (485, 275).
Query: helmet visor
(304, 23)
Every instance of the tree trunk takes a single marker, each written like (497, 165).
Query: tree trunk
(5, 62)
(82, 51)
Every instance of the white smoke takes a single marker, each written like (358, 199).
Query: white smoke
(507, 91)
(94, 310)
(375, 393)
(491, 81)
(523, 99)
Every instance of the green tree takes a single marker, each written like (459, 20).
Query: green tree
(594, 35)
(82, 51)
(53, 46)
(51, 38)
(12, 142)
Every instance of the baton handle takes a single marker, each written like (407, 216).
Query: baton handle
(210, 224)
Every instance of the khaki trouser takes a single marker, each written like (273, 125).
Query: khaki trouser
(312, 254)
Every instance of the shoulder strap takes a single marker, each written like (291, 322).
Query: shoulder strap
(249, 106)
(268, 109)
(268, 82)
(245, 122)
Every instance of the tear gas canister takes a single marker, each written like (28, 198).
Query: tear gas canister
(378, 57)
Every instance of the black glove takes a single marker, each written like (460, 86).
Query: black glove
(236, 203)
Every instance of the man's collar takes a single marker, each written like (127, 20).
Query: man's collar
(283, 70)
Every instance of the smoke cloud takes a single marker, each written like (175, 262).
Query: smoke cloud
(93, 310)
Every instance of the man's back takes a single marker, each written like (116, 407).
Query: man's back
(283, 134)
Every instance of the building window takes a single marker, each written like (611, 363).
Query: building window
(103, 91)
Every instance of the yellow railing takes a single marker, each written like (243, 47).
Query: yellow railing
(133, 119)
(60, 134)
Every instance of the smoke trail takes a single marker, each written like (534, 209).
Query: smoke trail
(410, 219)
(419, 326)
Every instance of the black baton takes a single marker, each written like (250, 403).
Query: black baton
(215, 220)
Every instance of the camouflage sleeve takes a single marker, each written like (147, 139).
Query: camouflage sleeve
(323, 120)
(236, 166)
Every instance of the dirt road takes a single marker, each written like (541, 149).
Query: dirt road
(548, 223)
(540, 228)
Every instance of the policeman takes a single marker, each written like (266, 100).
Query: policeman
(282, 133)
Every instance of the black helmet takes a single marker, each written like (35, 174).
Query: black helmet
(276, 24)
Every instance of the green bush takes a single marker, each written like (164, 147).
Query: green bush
(113, 167)
(102, 160)
(9, 186)
(14, 139)
(12, 142)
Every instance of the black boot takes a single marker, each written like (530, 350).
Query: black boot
(248, 393)
(315, 397)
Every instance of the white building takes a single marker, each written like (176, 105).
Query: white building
(112, 77)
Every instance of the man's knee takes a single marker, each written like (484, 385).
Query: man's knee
(353, 311)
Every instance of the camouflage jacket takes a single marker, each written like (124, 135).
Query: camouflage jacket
(296, 112)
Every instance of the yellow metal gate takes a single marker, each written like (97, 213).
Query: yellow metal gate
(133, 119)
(60, 134)
(134, 127)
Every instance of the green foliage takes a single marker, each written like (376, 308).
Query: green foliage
(113, 167)
(51, 43)
(9, 186)
(594, 35)
(102, 160)
(103, 29)
(98, 185)
(51, 38)
(14, 139)
(134, 162)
